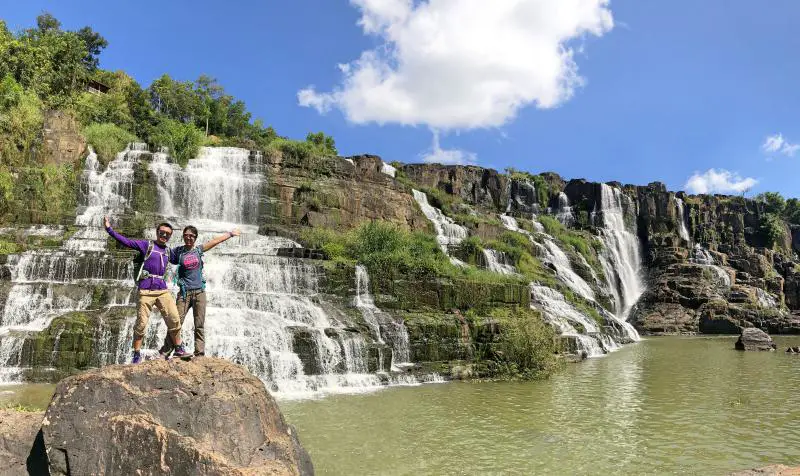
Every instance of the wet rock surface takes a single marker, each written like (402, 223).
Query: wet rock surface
(755, 339)
(207, 416)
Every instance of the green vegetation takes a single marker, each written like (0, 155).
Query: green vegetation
(49, 68)
(108, 140)
(390, 252)
(527, 346)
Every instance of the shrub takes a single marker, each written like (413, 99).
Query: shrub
(182, 139)
(527, 347)
(107, 139)
(20, 121)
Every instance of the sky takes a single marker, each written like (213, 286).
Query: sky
(700, 95)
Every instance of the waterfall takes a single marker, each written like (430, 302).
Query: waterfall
(564, 212)
(703, 257)
(621, 255)
(497, 262)
(49, 283)
(388, 169)
(380, 323)
(682, 230)
(262, 309)
(564, 316)
(448, 233)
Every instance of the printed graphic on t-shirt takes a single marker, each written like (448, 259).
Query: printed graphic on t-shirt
(191, 261)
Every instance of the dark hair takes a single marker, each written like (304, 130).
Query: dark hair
(192, 229)
(166, 225)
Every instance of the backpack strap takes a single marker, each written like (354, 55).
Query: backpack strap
(146, 256)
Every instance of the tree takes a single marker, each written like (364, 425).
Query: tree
(47, 23)
(325, 144)
(94, 44)
(773, 202)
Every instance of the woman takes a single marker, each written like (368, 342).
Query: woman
(192, 284)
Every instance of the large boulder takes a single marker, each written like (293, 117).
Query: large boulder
(754, 339)
(18, 433)
(207, 416)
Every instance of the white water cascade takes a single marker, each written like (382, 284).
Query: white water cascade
(564, 212)
(683, 232)
(703, 257)
(448, 232)
(497, 262)
(620, 258)
(564, 316)
(381, 324)
(49, 283)
(262, 309)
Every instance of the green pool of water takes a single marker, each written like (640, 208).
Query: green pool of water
(672, 405)
(667, 405)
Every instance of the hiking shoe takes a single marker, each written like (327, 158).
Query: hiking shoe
(181, 352)
(165, 352)
(137, 357)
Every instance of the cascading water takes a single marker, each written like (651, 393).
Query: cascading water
(703, 257)
(564, 316)
(497, 262)
(388, 169)
(621, 255)
(262, 309)
(683, 232)
(564, 212)
(395, 332)
(448, 233)
(46, 284)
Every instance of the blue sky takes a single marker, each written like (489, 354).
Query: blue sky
(666, 89)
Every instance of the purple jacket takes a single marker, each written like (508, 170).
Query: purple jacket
(155, 264)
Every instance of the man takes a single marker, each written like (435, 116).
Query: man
(192, 285)
(152, 289)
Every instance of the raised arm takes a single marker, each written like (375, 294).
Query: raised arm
(123, 240)
(219, 239)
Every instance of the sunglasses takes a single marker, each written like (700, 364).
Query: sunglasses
(164, 234)
(189, 236)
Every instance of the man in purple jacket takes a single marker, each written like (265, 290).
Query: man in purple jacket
(152, 289)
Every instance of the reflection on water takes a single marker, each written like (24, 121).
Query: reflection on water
(663, 406)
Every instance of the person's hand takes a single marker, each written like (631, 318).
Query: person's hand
(106, 222)
(236, 232)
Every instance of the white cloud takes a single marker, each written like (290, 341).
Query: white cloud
(462, 64)
(437, 155)
(776, 143)
(718, 181)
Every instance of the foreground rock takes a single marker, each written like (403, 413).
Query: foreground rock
(18, 431)
(755, 339)
(771, 470)
(208, 416)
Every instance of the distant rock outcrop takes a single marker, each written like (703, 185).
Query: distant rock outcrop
(754, 339)
(208, 416)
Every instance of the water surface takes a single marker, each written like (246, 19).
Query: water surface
(673, 405)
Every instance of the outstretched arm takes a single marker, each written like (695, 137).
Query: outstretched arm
(219, 239)
(123, 240)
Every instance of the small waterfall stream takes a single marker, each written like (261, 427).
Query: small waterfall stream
(683, 232)
(448, 233)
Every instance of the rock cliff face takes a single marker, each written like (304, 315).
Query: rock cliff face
(705, 263)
